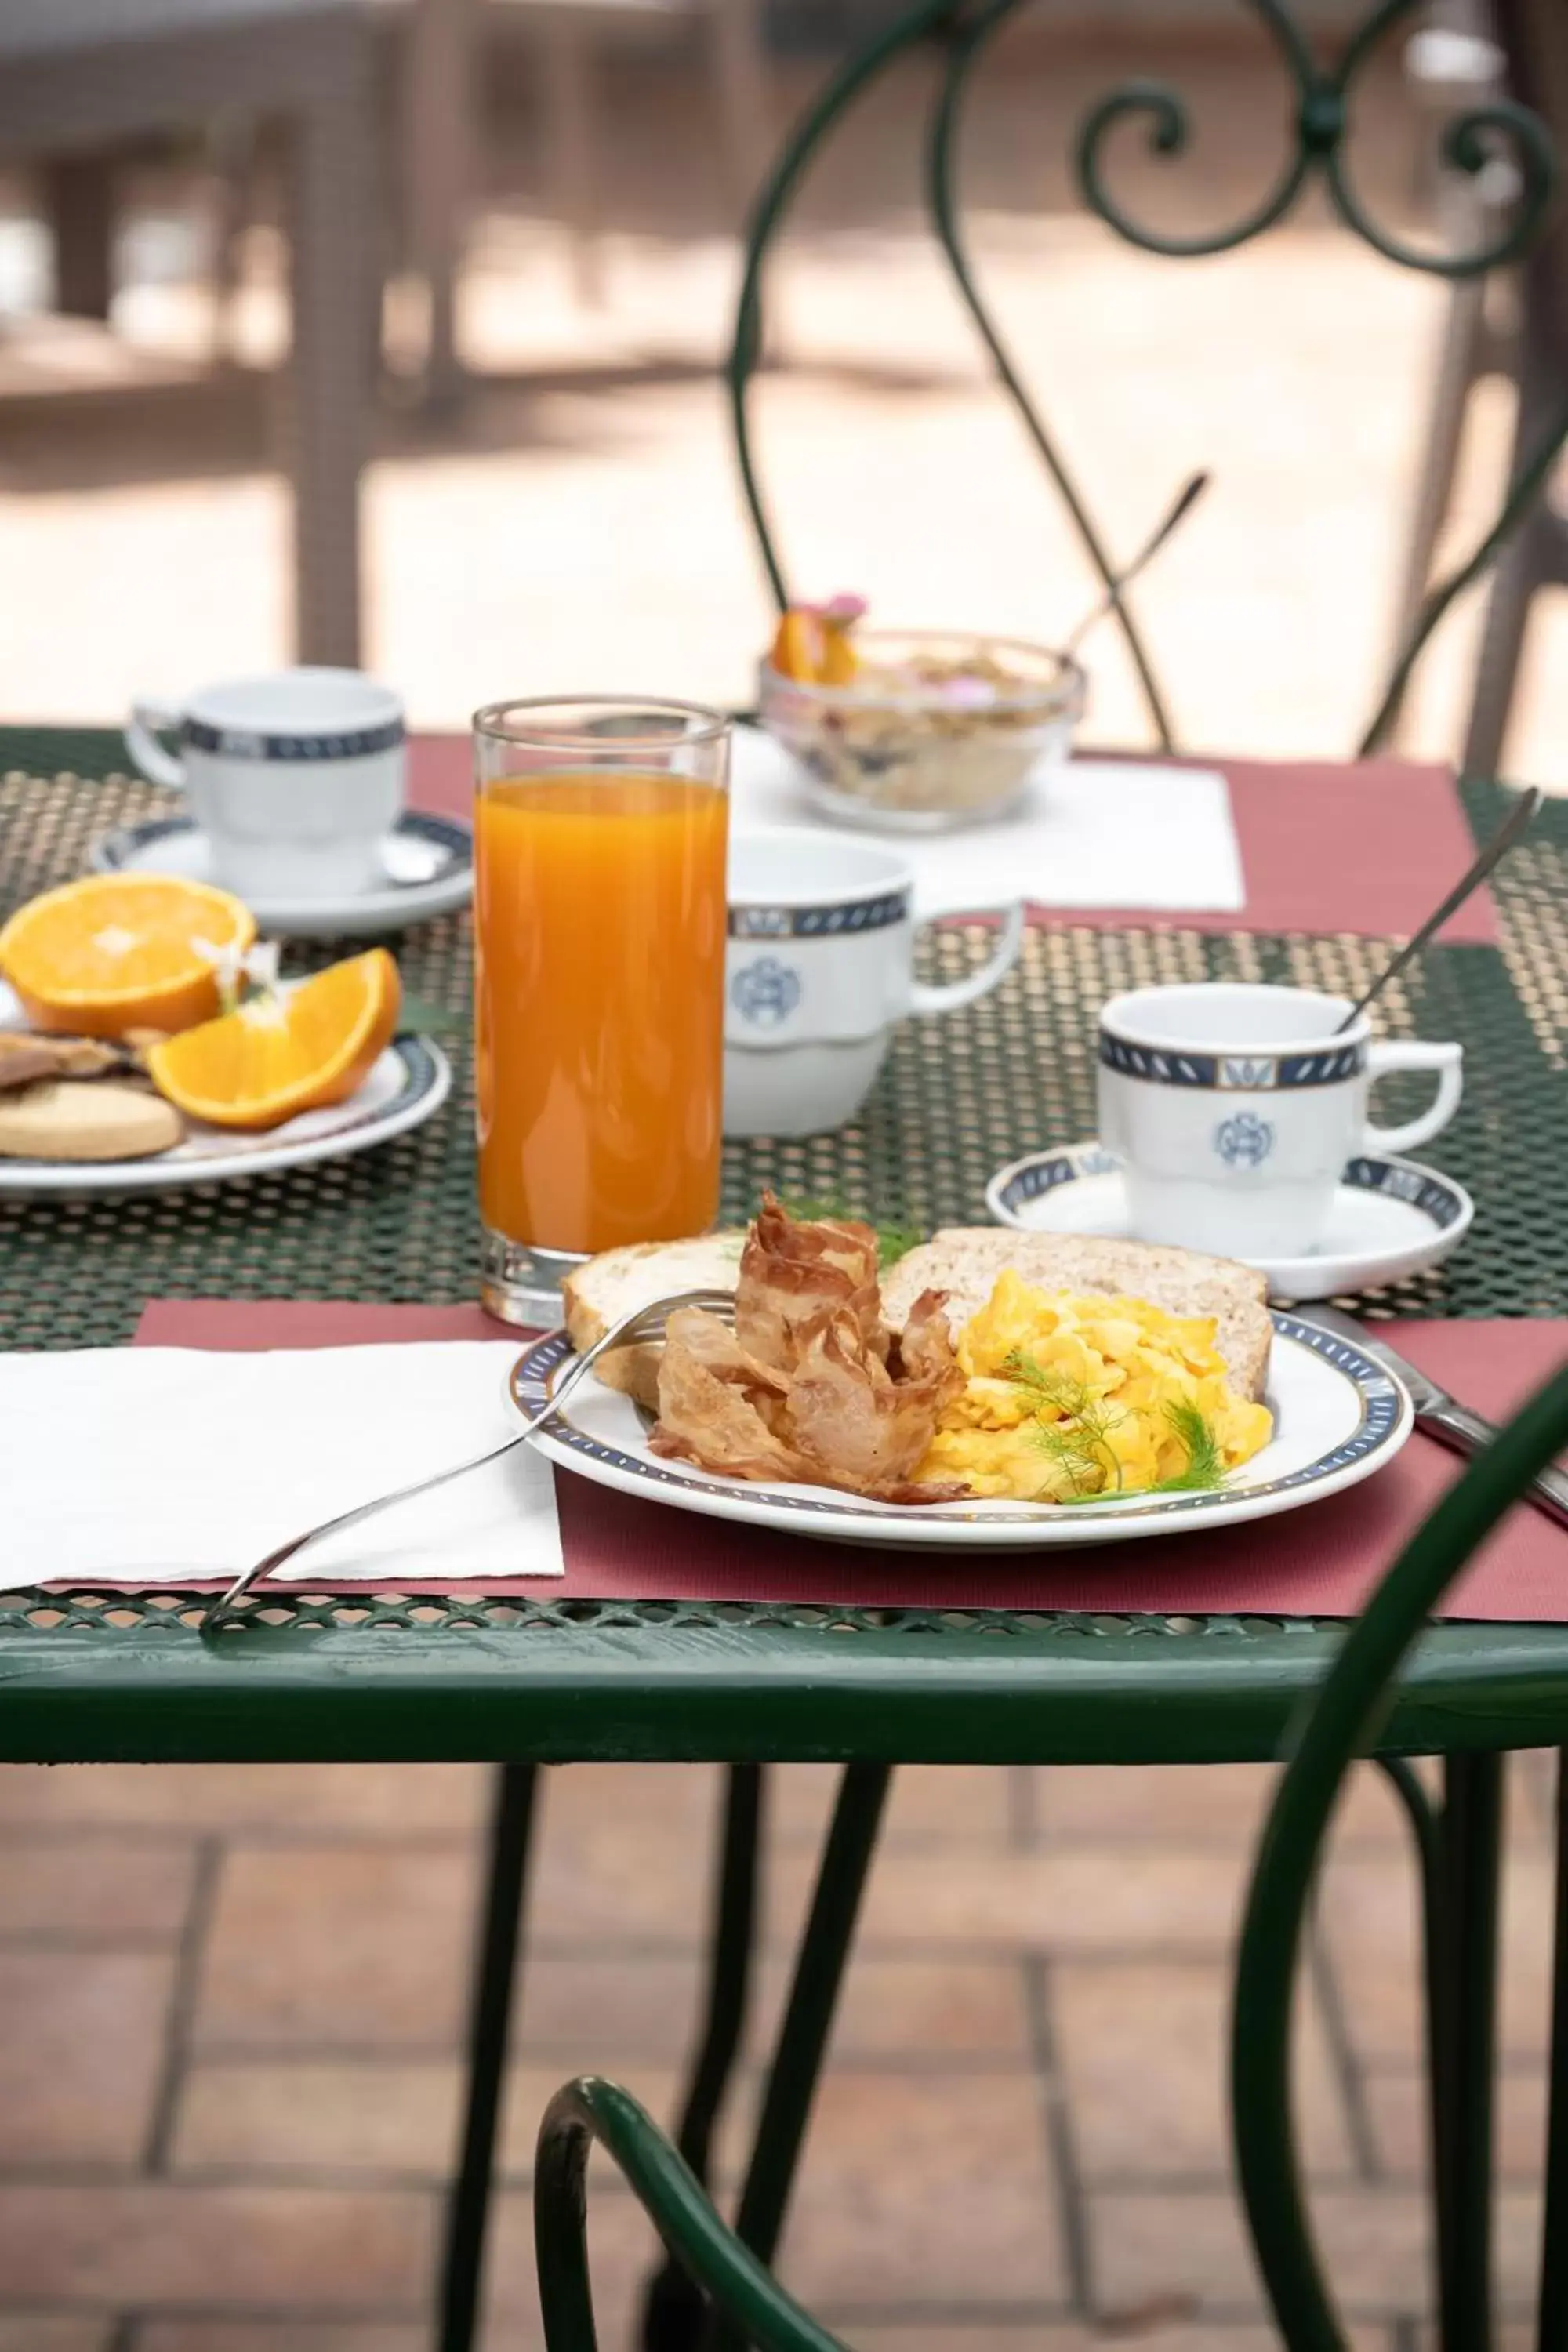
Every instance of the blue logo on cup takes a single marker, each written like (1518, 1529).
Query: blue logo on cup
(1244, 1140)
(766, 992)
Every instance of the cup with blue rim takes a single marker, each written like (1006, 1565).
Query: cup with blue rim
(1234, 1107)
(296, 778)
(818, 970)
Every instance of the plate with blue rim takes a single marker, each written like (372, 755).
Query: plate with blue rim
(428, 869)
(1390, 1217)
(407, 1086)
(1339, 1417)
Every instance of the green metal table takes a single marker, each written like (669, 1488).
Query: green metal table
(101, 1675)
(104, 1677)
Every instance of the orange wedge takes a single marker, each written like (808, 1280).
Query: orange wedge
(278, 1055)
(118, 951)
(840, 661)
(797, 645)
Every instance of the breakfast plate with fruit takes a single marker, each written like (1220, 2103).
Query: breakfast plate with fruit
(147, 1043)
(990, 1390)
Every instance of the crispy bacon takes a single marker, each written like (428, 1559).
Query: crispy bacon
(858, 1426)
(925, 1346)
(803, 1389)
(712, 1402)
(792, 1274)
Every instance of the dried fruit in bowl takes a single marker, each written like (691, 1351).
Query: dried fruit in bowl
(922, 729)
(815, 643)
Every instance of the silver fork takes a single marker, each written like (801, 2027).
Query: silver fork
(643, 1323)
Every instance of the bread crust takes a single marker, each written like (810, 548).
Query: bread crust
(965, 1261)
(610, 1286)
(962, 1260)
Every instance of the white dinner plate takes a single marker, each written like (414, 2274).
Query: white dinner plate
(1390, 1217)
(1338, 1417)
(407, 1086)
(428, 869)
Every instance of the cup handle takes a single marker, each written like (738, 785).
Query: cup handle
(1446, 1060)
(925, 999)
(148, 721)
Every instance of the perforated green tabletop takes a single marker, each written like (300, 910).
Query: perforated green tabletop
(114, 1676)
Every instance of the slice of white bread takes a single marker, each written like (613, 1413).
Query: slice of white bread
(622, 1280)
(964, 1261)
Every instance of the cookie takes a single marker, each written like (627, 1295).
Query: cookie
(58, 1120)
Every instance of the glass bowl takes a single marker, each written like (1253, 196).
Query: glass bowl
(939, 730)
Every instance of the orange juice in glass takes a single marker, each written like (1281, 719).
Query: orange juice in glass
(600, 834)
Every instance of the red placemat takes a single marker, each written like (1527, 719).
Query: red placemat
(1366, 847)
(1322, 1560)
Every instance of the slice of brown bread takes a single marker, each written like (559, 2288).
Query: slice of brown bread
(965, 1260)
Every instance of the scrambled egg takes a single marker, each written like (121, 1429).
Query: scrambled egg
(1069, 1397)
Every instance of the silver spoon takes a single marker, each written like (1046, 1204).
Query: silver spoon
(641, 1323)
(1187, 500)
(1516, 821)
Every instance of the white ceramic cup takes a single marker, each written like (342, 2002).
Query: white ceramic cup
(1235, 1107)
(296, 778)
(818, 969)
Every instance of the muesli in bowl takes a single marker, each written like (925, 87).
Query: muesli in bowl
(915, 730)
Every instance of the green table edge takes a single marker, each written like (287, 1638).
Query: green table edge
(609, 1683)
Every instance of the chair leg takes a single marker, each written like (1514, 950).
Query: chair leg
(1514, 582)
(1460, 367)
(673, 2315)
(1467, 2034)
(232, 153)
(440, 125)
(807, 2020)
(78, 198)
(572, 148)
(328, 381)
(1552, 2320)
(1537, 553)
(490, 2026)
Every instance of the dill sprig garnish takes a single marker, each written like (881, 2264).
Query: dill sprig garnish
(1079, 1443)
(1206, 1462)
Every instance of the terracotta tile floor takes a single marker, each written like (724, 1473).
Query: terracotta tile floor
(226, 2112)
(229, 2000)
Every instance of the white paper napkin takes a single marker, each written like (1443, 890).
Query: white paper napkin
(139, 1465)
(1095, 833)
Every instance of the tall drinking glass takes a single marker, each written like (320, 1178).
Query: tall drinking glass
(601, 829)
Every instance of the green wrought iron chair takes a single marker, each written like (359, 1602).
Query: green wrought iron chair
(1341, 1724)
(730, 2266)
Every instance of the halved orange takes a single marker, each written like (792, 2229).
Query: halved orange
(278, 1055)
(118, 951)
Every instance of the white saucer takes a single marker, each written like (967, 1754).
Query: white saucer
(1390, 1217)
(428, 861)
